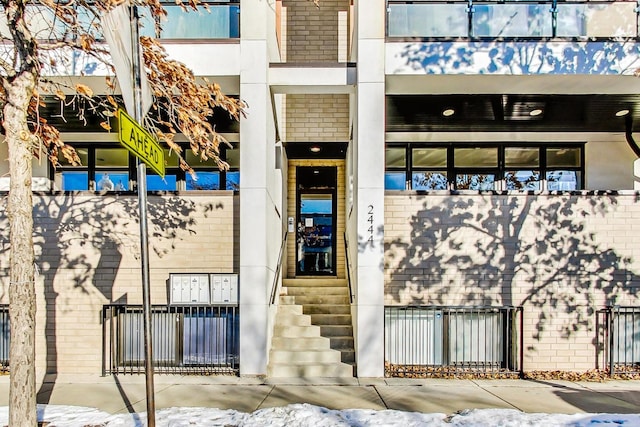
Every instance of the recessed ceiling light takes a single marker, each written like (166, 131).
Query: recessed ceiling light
(314, 149)
(448, 112)
(535, 112)
(622, 113)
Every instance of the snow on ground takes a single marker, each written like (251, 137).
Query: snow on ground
(309, 415)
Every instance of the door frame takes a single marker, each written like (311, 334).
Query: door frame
(331, 189)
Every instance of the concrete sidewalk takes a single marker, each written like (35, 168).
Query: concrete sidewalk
(122, 394)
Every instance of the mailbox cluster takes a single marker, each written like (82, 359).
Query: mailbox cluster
(203, 288)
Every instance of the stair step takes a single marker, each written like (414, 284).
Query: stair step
(310, 370)
(295, 331)
(337, 309)
(311, 356)
(304, 291)
(348, 357)
(320, 299)
(281, 343)
(330, 319)
(336, 330)
(315, 282)
(341, 343)
(289, 319)
(291, 309)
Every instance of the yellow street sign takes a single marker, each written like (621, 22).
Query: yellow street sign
(140, 142)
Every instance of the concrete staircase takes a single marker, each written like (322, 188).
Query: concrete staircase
(313, 333)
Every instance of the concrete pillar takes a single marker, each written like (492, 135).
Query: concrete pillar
(258, 219)
(369, 182)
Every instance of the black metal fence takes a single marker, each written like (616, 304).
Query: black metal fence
(618, 340)
(434, 341)
(185, 339)
(4, 336)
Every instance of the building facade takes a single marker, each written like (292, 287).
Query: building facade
(455, 179)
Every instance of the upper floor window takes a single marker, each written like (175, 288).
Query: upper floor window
(527, 167)
(112, 168)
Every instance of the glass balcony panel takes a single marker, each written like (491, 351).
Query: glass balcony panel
(512, 20)
(427, 20)
(616, 19)
(219, 22)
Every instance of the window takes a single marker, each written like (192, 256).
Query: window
(111, 168)
(486, 167)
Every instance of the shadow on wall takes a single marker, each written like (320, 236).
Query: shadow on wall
(80, 242)
(536, 251)
(521, 57)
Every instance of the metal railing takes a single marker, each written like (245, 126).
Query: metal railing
(4, 336)
(433, 341)
(185, 339)
(521, 19)
(276, 282)
(348, 267)
(618, 340)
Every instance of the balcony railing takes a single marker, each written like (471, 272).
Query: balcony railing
(512, 19)
(428, 341)
(185, 339)
(618, 340)
(4, 336)
(213, 20)
(220, 20)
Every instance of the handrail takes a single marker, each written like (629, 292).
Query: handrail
(274, 287)
(346, 255)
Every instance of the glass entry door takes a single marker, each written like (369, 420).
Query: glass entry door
(316, 234)
(316, 223)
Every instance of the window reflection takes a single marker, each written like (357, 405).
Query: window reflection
(479, 182)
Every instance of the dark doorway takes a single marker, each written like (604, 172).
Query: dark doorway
(316, 221)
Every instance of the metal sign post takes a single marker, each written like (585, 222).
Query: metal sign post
(144, 237)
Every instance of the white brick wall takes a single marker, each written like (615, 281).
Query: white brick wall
(561, 257)
(89, 256)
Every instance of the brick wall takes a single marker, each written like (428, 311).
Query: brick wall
(88, 254)
(317, 118)
(559, 256)
(312, 32)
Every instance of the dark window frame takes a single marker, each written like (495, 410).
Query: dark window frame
(93, 171)
(453, 171)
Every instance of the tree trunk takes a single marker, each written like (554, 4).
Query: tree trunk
(22, 297)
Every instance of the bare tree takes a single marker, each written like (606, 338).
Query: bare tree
(39, 37)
